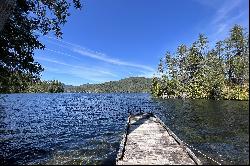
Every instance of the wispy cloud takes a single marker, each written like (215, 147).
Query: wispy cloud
(97, 55)
(62, 53)
(224, 26)
(104, 58)
(223, 12)
(82, 74)
(227, 14)
(85, 71)
(71, 65)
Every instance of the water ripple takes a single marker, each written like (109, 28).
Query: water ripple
(87, 128)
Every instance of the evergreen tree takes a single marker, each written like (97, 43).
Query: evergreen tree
(197, 72)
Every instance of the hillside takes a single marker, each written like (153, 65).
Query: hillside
(130, 85)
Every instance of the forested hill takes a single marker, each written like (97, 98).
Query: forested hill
(131, 84)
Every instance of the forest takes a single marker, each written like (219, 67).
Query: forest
(200, 72)
(51, 86)
(127, 85)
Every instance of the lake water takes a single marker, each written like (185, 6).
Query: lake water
(84, 128)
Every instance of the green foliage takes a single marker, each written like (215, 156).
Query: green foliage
(156, 87)
(236, 92)
(53, 86)
(18, 82)
(197, 72)
(237, 55)
(18, 39)
(127, 85)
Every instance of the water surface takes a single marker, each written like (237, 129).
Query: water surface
(84, 128)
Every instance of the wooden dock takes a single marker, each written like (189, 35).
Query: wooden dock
(148, 141)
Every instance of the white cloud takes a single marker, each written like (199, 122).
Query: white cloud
(82, 74)
(224, 26)
(104, 58)
(224, 12)
(94, 74)
(227, 13)
(61, 53)
(80, 71)
(97, 55)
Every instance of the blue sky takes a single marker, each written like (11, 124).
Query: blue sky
(113, 39)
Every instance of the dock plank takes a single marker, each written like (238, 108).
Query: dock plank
(149, 143)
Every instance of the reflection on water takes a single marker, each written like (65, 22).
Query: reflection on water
(87, 128)
(219, 129)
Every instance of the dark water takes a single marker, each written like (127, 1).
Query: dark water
(87, 128)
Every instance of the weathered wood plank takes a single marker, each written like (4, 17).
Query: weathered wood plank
(148, 141)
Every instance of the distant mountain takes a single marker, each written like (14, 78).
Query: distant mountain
(126, 85)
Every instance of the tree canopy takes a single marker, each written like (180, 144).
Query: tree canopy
(127, 85)
(199, 72)
(19, 39)
(52, 86)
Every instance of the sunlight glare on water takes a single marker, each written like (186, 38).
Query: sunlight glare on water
(84, 128)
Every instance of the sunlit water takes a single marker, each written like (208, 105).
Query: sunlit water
(87, 128)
